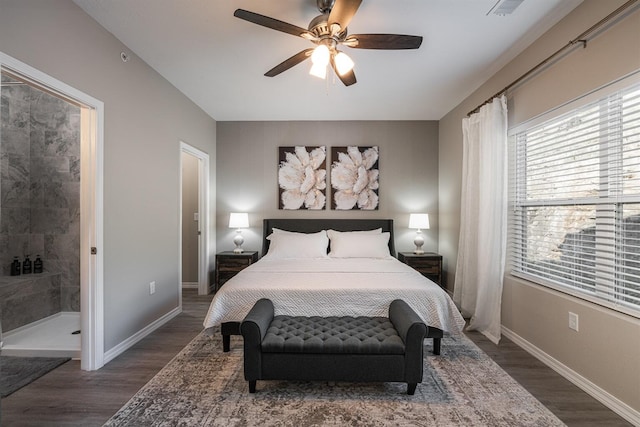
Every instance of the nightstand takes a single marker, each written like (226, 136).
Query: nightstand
(429, 264)
(229, 263)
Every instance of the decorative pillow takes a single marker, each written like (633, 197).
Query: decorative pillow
(360, 245)
(297, 245)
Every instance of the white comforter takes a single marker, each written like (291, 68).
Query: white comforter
(333, 287)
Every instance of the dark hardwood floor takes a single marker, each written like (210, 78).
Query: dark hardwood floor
(68, 396)
(568, 402)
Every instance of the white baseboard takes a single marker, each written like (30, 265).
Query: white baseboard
(129, 342)
(603, 396)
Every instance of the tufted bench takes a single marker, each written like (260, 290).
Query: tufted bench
(354, 349)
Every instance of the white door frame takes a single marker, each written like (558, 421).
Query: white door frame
(203, 218)
(91, 208)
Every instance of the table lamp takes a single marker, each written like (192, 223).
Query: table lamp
(238, 220)
(419, 221)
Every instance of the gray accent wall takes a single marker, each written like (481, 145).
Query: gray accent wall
(247, 172)
(606, 350)
(145, 118)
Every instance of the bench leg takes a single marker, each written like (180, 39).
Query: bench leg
(436, 346)
(252, 386)
(411, 388)
(227, 329)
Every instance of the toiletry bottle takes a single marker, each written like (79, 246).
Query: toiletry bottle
(15, 266)
(26, 265)
(37, 265)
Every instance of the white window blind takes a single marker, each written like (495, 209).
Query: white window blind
(575, 191)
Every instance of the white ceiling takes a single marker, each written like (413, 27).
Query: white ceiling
(218, 61)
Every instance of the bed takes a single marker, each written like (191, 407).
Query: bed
(359, 276)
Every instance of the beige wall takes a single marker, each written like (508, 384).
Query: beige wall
(145, 120)
(606, 351)
(248, 172)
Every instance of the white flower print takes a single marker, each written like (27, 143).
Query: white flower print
(302, 178)
(354, 179)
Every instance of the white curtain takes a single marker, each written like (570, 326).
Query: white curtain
(483, 218)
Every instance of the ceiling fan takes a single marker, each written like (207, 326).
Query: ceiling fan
(328, 31)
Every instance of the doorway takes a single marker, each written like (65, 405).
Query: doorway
(86, 166)
(194, 219)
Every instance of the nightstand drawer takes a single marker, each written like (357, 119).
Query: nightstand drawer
(425, 265)
(233, 264)
(228, 264)
(428, 264)
(427, 270)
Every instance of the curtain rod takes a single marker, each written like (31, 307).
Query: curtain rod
(582, 38)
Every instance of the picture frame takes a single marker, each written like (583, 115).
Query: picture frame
(355, 178)
(302, 176)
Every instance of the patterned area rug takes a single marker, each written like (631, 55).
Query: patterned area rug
(202, 386)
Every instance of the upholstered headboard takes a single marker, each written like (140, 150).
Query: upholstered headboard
(315, 225)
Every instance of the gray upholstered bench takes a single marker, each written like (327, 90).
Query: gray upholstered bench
(360, 349)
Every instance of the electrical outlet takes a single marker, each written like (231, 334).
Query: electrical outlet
(152, 287)
(573, 321)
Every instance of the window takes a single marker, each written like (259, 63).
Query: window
(575, 193)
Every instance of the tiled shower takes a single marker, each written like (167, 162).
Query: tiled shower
(39, 203)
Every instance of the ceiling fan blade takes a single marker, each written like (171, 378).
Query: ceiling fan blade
(383, 41)
(343, 11)
(288, 63)
(272, 23)
(348, 78)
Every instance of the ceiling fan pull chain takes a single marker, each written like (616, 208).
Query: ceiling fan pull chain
(326, 85)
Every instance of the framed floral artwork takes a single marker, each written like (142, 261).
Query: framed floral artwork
(302, 177)
(354, 178)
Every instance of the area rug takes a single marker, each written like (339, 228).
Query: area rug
(202, 386)
(17, 372)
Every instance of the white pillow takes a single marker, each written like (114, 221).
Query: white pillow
(333, 233)
(360, 245)
(298, 245)
(280, 231)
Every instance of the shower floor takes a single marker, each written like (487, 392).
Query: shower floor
(50, 337)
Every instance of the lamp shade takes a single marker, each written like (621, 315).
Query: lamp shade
(320, 55)
(419, 221)
(238, 220)
(319, 71)
(344, 64)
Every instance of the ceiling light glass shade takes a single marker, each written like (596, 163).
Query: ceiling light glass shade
(319, 71)
(344, 64)
(320, 55)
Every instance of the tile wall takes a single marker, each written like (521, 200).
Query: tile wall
(40, 185)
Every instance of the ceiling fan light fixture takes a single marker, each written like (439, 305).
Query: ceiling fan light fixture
(320, 60)
(319, 70)
(320, 55)
(328, 31)
(344, 64)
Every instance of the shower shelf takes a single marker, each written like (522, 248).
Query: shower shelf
(28, 298)
(12, 280)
